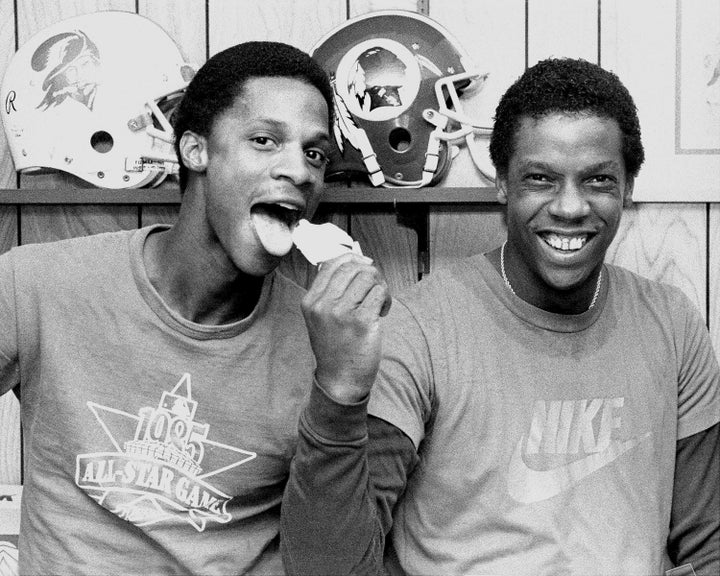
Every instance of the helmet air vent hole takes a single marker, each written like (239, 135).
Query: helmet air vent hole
(400, 139)
(102, 142)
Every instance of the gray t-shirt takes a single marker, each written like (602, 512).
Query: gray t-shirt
(546, 442)
(152, 444)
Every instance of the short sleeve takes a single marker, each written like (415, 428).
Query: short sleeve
(699, 377)
(402, 394)
(9, 372)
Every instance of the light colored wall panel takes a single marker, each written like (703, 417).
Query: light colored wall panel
(9, 439)
(390, 244)
(184, 21)
(298, 23)
(7, 49)
(714, 273)
(648, 54)
(665, 242)
(358, 7)
(9, 406)
(493, 34)
(558, 28)
(44, 223)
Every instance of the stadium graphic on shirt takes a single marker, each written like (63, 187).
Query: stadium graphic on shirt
(156, 473)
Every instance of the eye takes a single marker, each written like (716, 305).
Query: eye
(537, 179)
(602, 181)
(262, 141)
(316, 157)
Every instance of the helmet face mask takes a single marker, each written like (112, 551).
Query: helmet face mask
(82, 95)
(398, 77)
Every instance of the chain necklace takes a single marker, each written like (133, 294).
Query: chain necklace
(507, 282)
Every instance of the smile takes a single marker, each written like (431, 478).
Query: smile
(565, 243)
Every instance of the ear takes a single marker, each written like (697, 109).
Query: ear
(627, 194)
(501, 185)
(193, 151)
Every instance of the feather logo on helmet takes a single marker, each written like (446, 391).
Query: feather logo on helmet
(73, 61)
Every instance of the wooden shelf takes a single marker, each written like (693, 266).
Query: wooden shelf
(334, 195)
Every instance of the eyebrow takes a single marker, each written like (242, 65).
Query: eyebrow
(320, 137)
(599, 166)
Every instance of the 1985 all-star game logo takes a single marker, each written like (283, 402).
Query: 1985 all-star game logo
(156, 472)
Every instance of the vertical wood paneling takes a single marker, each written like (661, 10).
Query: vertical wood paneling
(300, 24)
(392, 245)
(184, 21)
(45, 223)
(9, 440)
(492, 33)
(9, 406)
(358, 7)
(558, 28)
(665, 242)
(7, 49)
(714, 276)
(645, 57)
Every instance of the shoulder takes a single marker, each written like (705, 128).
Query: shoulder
(631, 287)
(58, 262)
(447, 279)
(95, 245)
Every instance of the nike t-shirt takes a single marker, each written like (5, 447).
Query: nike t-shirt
(546, 441)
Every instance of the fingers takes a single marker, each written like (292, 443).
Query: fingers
(377, 301)
(350, 278)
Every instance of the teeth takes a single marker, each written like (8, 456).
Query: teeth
(565, 243)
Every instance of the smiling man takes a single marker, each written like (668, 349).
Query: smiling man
(537, 411)
(162, 370)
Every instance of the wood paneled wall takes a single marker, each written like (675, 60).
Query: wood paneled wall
(677, 243)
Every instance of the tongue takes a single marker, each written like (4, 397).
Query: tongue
(274, 234)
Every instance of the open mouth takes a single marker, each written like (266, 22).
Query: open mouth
(274, 223)
(565, 243)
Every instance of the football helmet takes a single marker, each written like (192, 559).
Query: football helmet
(92, 96)
(398, 77)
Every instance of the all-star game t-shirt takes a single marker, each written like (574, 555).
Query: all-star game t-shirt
(153, 445)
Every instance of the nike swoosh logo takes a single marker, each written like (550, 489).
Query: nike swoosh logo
(526, 485)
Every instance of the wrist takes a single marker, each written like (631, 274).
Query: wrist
(336, 421)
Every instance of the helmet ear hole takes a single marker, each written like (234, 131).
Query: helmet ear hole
(400, 139)
(102, 142)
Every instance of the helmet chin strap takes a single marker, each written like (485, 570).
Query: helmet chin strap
(157, 162)
(470, 130)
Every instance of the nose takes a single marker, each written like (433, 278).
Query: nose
(292, 164)
(569, 203)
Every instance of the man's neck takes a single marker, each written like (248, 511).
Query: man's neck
(197, 280)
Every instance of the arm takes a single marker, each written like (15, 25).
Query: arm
(328, 519)
(347, 475)
(695, 521)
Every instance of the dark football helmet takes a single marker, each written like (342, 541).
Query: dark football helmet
(398, 79)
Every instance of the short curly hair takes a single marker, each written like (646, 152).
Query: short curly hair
(222, 78)
(566, 85)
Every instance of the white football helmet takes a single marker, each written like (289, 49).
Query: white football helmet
(398, 77)
(92, 96)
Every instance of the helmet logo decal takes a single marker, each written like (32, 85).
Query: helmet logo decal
(10, 102)
(378, 79)
(379, 75)
(72, 61)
